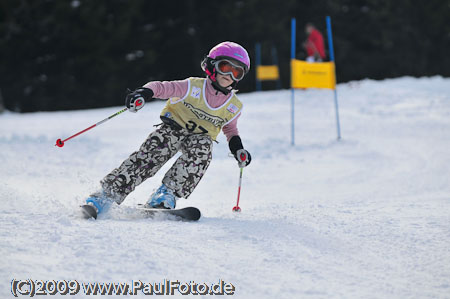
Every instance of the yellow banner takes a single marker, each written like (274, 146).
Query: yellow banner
(267, 72)
(312, 74)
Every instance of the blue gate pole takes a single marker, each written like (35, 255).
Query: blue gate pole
(336, 106)
(258, 63)
(293, 25)
(275, 62)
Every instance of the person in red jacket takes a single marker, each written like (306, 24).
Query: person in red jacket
(314, 44)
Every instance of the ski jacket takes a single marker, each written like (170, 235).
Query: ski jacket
(315, 44)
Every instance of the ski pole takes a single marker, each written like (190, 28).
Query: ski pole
(243, 158)
(60, 142)
(237, 208)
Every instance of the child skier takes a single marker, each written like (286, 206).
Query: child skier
(197, 110)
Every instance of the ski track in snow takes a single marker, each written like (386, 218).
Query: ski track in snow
(364, 217)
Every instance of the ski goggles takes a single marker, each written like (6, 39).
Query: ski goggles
(226, 67)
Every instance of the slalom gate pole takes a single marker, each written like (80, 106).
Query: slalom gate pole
(258, 63)
(60, 143)
(336, 106)
(237, 208)
(293, 36)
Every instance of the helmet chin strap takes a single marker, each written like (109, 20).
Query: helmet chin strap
(216, 85)
(224, 90)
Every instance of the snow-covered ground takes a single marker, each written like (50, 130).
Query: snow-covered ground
(364, 217)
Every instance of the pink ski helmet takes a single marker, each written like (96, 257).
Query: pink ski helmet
(226, 50)
(232, 51)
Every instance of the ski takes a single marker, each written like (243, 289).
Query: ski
(89, 211)
(184, 214)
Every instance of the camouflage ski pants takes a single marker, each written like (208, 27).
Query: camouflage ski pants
(158, 148)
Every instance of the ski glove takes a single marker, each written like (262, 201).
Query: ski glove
(135, 100)
(243, 157)
(237, 149)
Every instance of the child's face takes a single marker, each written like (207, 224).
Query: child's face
(224, 80)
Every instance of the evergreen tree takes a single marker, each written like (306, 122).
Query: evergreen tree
(75, 54)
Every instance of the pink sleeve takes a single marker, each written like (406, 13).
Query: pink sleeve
(168, 89)
(231, 129)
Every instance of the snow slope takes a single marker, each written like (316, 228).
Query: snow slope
(365, 217)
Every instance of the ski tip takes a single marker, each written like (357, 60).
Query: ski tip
(190, 214)
(196, 214)
(88, 211)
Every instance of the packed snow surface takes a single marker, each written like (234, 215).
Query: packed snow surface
(364, 217)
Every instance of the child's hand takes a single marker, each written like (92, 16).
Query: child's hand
(136, 100)
(237, 149)
(243, 157)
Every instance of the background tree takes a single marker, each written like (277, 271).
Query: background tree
(75, 54)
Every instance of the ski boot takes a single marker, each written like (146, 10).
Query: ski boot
(162, 198)
(95, 204)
